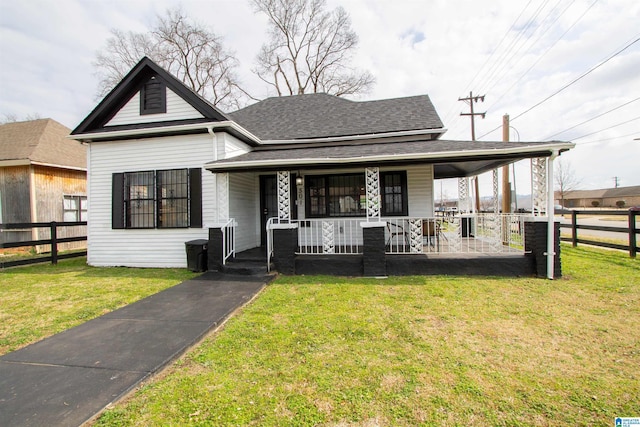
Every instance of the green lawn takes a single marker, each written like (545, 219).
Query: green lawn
(416, 351)
(41, 300)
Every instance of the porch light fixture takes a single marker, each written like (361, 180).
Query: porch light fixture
(298, 179)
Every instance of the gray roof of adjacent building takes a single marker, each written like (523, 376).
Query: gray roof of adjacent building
(604, 193)
(42, 141)
(319, 115)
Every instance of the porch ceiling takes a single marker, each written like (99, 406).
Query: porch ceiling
(450, 158)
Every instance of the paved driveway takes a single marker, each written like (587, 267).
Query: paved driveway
(68, 378)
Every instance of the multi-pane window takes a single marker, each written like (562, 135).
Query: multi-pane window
(393, 189)
(316, 196)
(74, 208)
(156, 199)
(173, 198)
(139, 199)
(345, 195)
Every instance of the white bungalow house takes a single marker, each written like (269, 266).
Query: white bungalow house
(319, 182)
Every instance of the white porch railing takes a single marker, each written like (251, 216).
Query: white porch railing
(478, 233)
(330, 236)
(228, 240)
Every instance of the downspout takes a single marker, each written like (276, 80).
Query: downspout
(551, 243)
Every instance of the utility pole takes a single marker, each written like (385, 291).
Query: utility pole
(470, 100)
(506, 185)
(616, 181)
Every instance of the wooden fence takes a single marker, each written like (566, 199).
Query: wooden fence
(631, 230)
(54, 241)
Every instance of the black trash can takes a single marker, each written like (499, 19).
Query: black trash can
(197, 255)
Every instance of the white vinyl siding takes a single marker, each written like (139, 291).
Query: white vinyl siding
(144, 247)
(229, 146)
(244, 208)
(177, 109)
(420, 188)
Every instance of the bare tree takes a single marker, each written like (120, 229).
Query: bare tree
(12, 118)
(310, 49)
(565, 179)
(186, 49)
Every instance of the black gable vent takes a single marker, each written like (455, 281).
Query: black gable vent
(153, 97)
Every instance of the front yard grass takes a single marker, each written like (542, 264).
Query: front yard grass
(41, 300)
(415, 351)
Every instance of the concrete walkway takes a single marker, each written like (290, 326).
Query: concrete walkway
(66, 379)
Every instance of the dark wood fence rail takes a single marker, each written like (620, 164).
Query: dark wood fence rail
(631, 230)
(54, 241)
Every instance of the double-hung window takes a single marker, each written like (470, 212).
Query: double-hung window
(157, 199)
(74, 208)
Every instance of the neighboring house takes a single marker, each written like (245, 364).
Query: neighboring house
(167, 167)
(604, 198)
(43, 178)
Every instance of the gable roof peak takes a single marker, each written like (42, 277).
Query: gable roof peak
(131, 84)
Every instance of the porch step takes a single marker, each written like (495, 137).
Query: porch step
(245, 267)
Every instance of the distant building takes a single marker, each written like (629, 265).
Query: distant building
(606, 197)
(43, 178)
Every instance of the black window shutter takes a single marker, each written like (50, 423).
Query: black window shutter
(195, 200)
(117, 201)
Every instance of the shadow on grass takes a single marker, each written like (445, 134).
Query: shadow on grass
(80, 267)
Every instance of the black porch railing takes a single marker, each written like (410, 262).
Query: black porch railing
(54, 255)
(631, 230)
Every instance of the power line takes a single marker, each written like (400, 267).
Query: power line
(592, 118)
(501, 61)
(586, 73)
(542, 29)
(607, 139)
(607, 128)
(545, 52)
(451, 112)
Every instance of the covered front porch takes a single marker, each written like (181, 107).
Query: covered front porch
(351, 216)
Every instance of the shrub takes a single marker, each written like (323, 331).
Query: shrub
(620, 203)
(595, 203)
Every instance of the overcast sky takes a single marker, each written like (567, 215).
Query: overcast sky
(516, 53)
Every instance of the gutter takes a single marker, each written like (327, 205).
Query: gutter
(356, 137)
(107, 135)
(556, 147)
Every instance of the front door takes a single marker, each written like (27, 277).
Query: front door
(269, 202)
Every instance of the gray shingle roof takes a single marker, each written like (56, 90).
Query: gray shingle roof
(41, 141)
(320, 116)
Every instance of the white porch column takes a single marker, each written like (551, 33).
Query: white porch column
(539, 191)
(463, 195)
(222, 197)
(284, 195)
(551, 235)
(496, 192)
(372, 179)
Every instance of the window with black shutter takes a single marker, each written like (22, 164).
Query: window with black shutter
(153, 97)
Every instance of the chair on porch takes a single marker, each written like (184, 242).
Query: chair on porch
(432, 231)
(394, 231)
